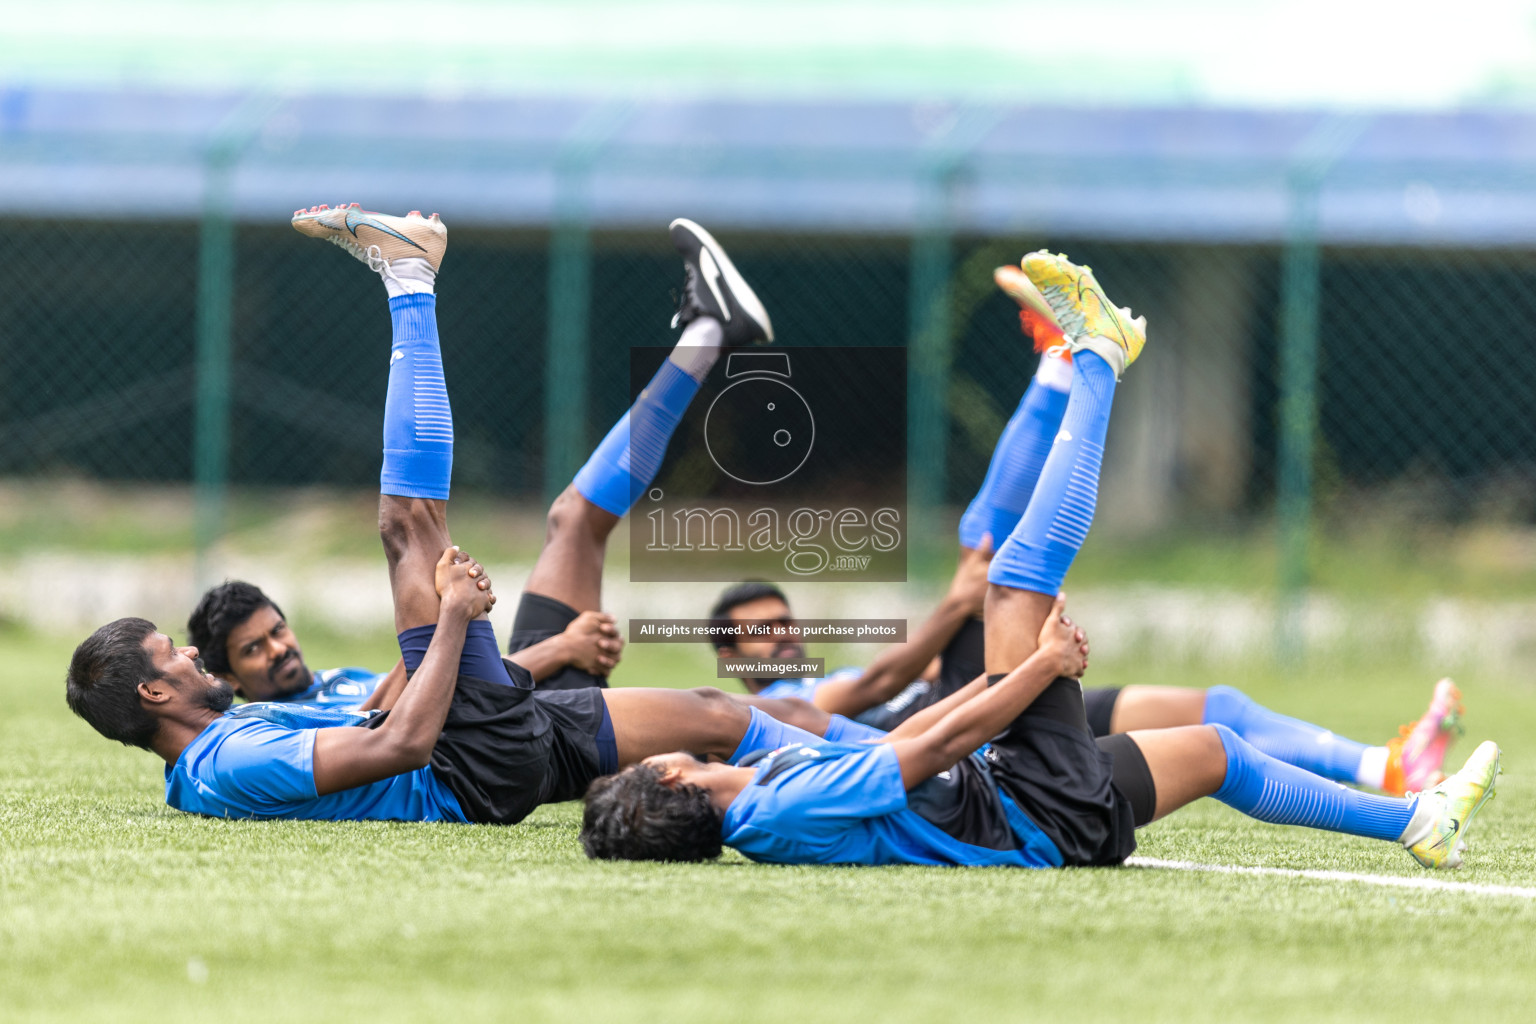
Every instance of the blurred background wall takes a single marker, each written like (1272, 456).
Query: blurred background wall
(1329, 222)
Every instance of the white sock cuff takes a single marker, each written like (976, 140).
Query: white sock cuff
(1372, 769)
(1054, 373)
(699, 348)
(409, 275)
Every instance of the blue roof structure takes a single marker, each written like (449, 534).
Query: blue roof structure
(1190, 174)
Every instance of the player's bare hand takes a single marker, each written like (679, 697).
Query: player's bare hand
(593, 643)
(1064, 641)
(969, 586)
(463, 585)
(456, 556)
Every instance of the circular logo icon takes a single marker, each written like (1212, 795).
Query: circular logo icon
(759, 430)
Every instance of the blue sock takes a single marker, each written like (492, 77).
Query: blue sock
(1016, 463)
(1041, 547)
(1289, 739)
(480, 659)
(1270, 790)
(418, 424)
(624, 463)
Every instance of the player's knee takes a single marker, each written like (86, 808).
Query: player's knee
(720, 714)
(567, 512)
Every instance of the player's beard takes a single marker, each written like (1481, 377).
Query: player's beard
(218, 695)
(299, 684)
(789, 650)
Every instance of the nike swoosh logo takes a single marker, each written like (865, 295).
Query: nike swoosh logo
(711, 272)
(357, 220)
(395, 357)
(1455, 827)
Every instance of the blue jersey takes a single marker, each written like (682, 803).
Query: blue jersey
(337, 687)
(806, 688)
(257, 761)
(764, 732)
(834, 803)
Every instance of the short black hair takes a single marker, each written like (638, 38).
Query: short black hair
(633, 816)
(722, 631)
(102, 686)
(221, 611)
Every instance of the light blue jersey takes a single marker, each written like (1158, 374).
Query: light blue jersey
(764, 732)
(338, 687)
(834, 803)
(806, 688)
(257, 761)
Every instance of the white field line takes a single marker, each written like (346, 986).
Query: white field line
(1389, 881)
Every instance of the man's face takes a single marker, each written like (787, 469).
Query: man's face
(680, 768)
(265, 662)
(183, 669)
(779, 642)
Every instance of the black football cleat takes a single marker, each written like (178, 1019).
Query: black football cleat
(716, 288)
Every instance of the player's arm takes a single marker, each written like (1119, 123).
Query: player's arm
(925, 719)
(387, 692)
(1063, 651)
(590, 643)
(348, 757)
(899, 664)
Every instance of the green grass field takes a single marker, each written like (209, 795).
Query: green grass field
(114, 907)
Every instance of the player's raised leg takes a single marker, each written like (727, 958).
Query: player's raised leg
(719, 310)
(407, 252)
(1029, 566)
(1025, 442)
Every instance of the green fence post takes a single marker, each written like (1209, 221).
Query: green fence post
(215, 299)
(928, 361)
(567, 339)
(1300, 268)
(215, 294)
(930, 322)
(566, 353)
(1298, 411)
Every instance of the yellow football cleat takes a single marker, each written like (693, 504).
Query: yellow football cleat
(1436, 836)
(1079, 305)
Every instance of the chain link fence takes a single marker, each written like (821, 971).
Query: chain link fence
(1320, 388)
(1424, 377)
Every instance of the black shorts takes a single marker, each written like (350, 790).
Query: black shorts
(539, 618)
(505, 750)
(962, 660)
(1099, 705)
(1087, 796)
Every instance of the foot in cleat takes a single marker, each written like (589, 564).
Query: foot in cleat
(1091, 322)
(379, 239)
(1437, 834)
(1035, 314)
(1415, 756)
(715, 288)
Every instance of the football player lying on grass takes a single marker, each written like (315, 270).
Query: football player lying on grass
(889, 690)
(245, 639)
(468, 737)
(1012, 775)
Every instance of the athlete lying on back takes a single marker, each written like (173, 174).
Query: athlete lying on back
(467, 738)
(1010, 774)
